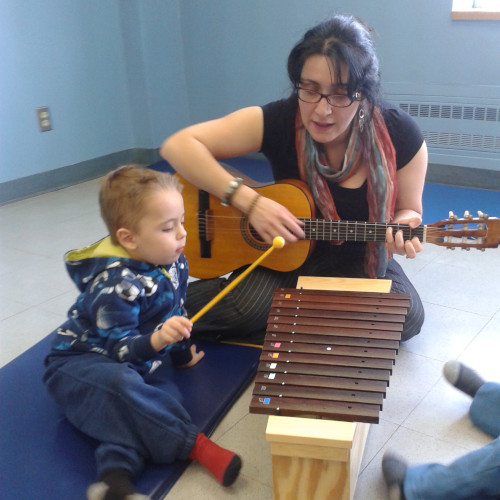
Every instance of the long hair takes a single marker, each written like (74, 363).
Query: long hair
(343, 39)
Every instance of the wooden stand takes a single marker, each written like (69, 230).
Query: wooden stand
(318, 459)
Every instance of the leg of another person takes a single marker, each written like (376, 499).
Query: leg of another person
(474, 475)
(485, 409)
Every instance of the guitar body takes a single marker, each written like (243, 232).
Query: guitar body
(232, 241)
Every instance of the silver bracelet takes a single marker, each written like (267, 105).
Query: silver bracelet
(231, 189)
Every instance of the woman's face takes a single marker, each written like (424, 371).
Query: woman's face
(325, 123)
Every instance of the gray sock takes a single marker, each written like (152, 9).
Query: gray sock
(394, 470)
(114, 484)
(98, 491)
(462, 377)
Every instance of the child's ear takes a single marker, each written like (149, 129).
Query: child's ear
(126, 238)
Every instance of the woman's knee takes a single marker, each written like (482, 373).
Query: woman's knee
(414, 319)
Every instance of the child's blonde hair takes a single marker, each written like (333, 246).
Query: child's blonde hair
(123, 193)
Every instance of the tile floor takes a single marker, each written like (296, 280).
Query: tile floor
(423, 418)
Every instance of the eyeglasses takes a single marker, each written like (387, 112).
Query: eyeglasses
(336, 100)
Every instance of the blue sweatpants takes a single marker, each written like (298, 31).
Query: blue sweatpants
(475, 475)
(132, 420)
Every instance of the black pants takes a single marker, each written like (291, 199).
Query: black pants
(242, 314)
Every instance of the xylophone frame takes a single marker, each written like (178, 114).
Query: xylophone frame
(314, 458)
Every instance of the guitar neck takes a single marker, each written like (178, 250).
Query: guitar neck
(340, 230)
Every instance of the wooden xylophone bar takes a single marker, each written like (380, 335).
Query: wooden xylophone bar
(328, 354)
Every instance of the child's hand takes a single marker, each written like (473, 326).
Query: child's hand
(196, 357)
(173, 330)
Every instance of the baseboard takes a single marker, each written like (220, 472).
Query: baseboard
(59, 178)
(51, 180)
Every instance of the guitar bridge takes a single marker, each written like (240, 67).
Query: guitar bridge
(205, 230)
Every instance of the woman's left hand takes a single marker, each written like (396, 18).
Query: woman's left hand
(395, 242)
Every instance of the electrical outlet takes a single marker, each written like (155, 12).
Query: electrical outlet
(44, 120)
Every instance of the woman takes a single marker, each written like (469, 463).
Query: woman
(362, 160)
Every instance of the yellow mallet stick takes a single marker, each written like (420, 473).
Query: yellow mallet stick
(278, 242)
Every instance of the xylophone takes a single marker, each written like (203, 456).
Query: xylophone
(322, 460)
(328, 354)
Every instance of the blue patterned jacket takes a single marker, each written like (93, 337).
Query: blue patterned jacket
(122, 302)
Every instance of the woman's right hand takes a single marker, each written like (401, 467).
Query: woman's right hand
(270, 219)
(193, 152)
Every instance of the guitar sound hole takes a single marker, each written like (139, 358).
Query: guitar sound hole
(251, 236)
(255, 234)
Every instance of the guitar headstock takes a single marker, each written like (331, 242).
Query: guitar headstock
(467, 232)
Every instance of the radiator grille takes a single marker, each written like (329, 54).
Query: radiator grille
(454, 111)
(441, 124)
(466, 141)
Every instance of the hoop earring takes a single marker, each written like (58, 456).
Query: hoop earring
(361, 119)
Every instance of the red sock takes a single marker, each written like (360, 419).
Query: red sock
(223, 464)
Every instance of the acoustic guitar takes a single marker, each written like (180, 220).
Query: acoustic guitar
(220, 239)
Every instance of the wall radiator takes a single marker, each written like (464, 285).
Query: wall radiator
(461, 134)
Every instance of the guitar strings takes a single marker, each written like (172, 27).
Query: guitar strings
(235, 224)
(205, 221)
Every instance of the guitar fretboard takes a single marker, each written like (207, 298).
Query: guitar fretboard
(341, 230)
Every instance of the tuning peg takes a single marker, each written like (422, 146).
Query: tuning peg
(467, 215)
(482, 215)
(452, 216)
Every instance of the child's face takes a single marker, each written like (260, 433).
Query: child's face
(161, 236)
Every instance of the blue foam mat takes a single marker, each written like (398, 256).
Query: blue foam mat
(439, 199)
(44, 457)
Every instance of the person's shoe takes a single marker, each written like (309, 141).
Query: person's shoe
(114, 484)
(394, 471)
(462, 377)
(99, 490)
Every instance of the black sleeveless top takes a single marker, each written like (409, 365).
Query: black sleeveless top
(278, 145)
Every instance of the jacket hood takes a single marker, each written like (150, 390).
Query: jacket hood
(85, 264)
